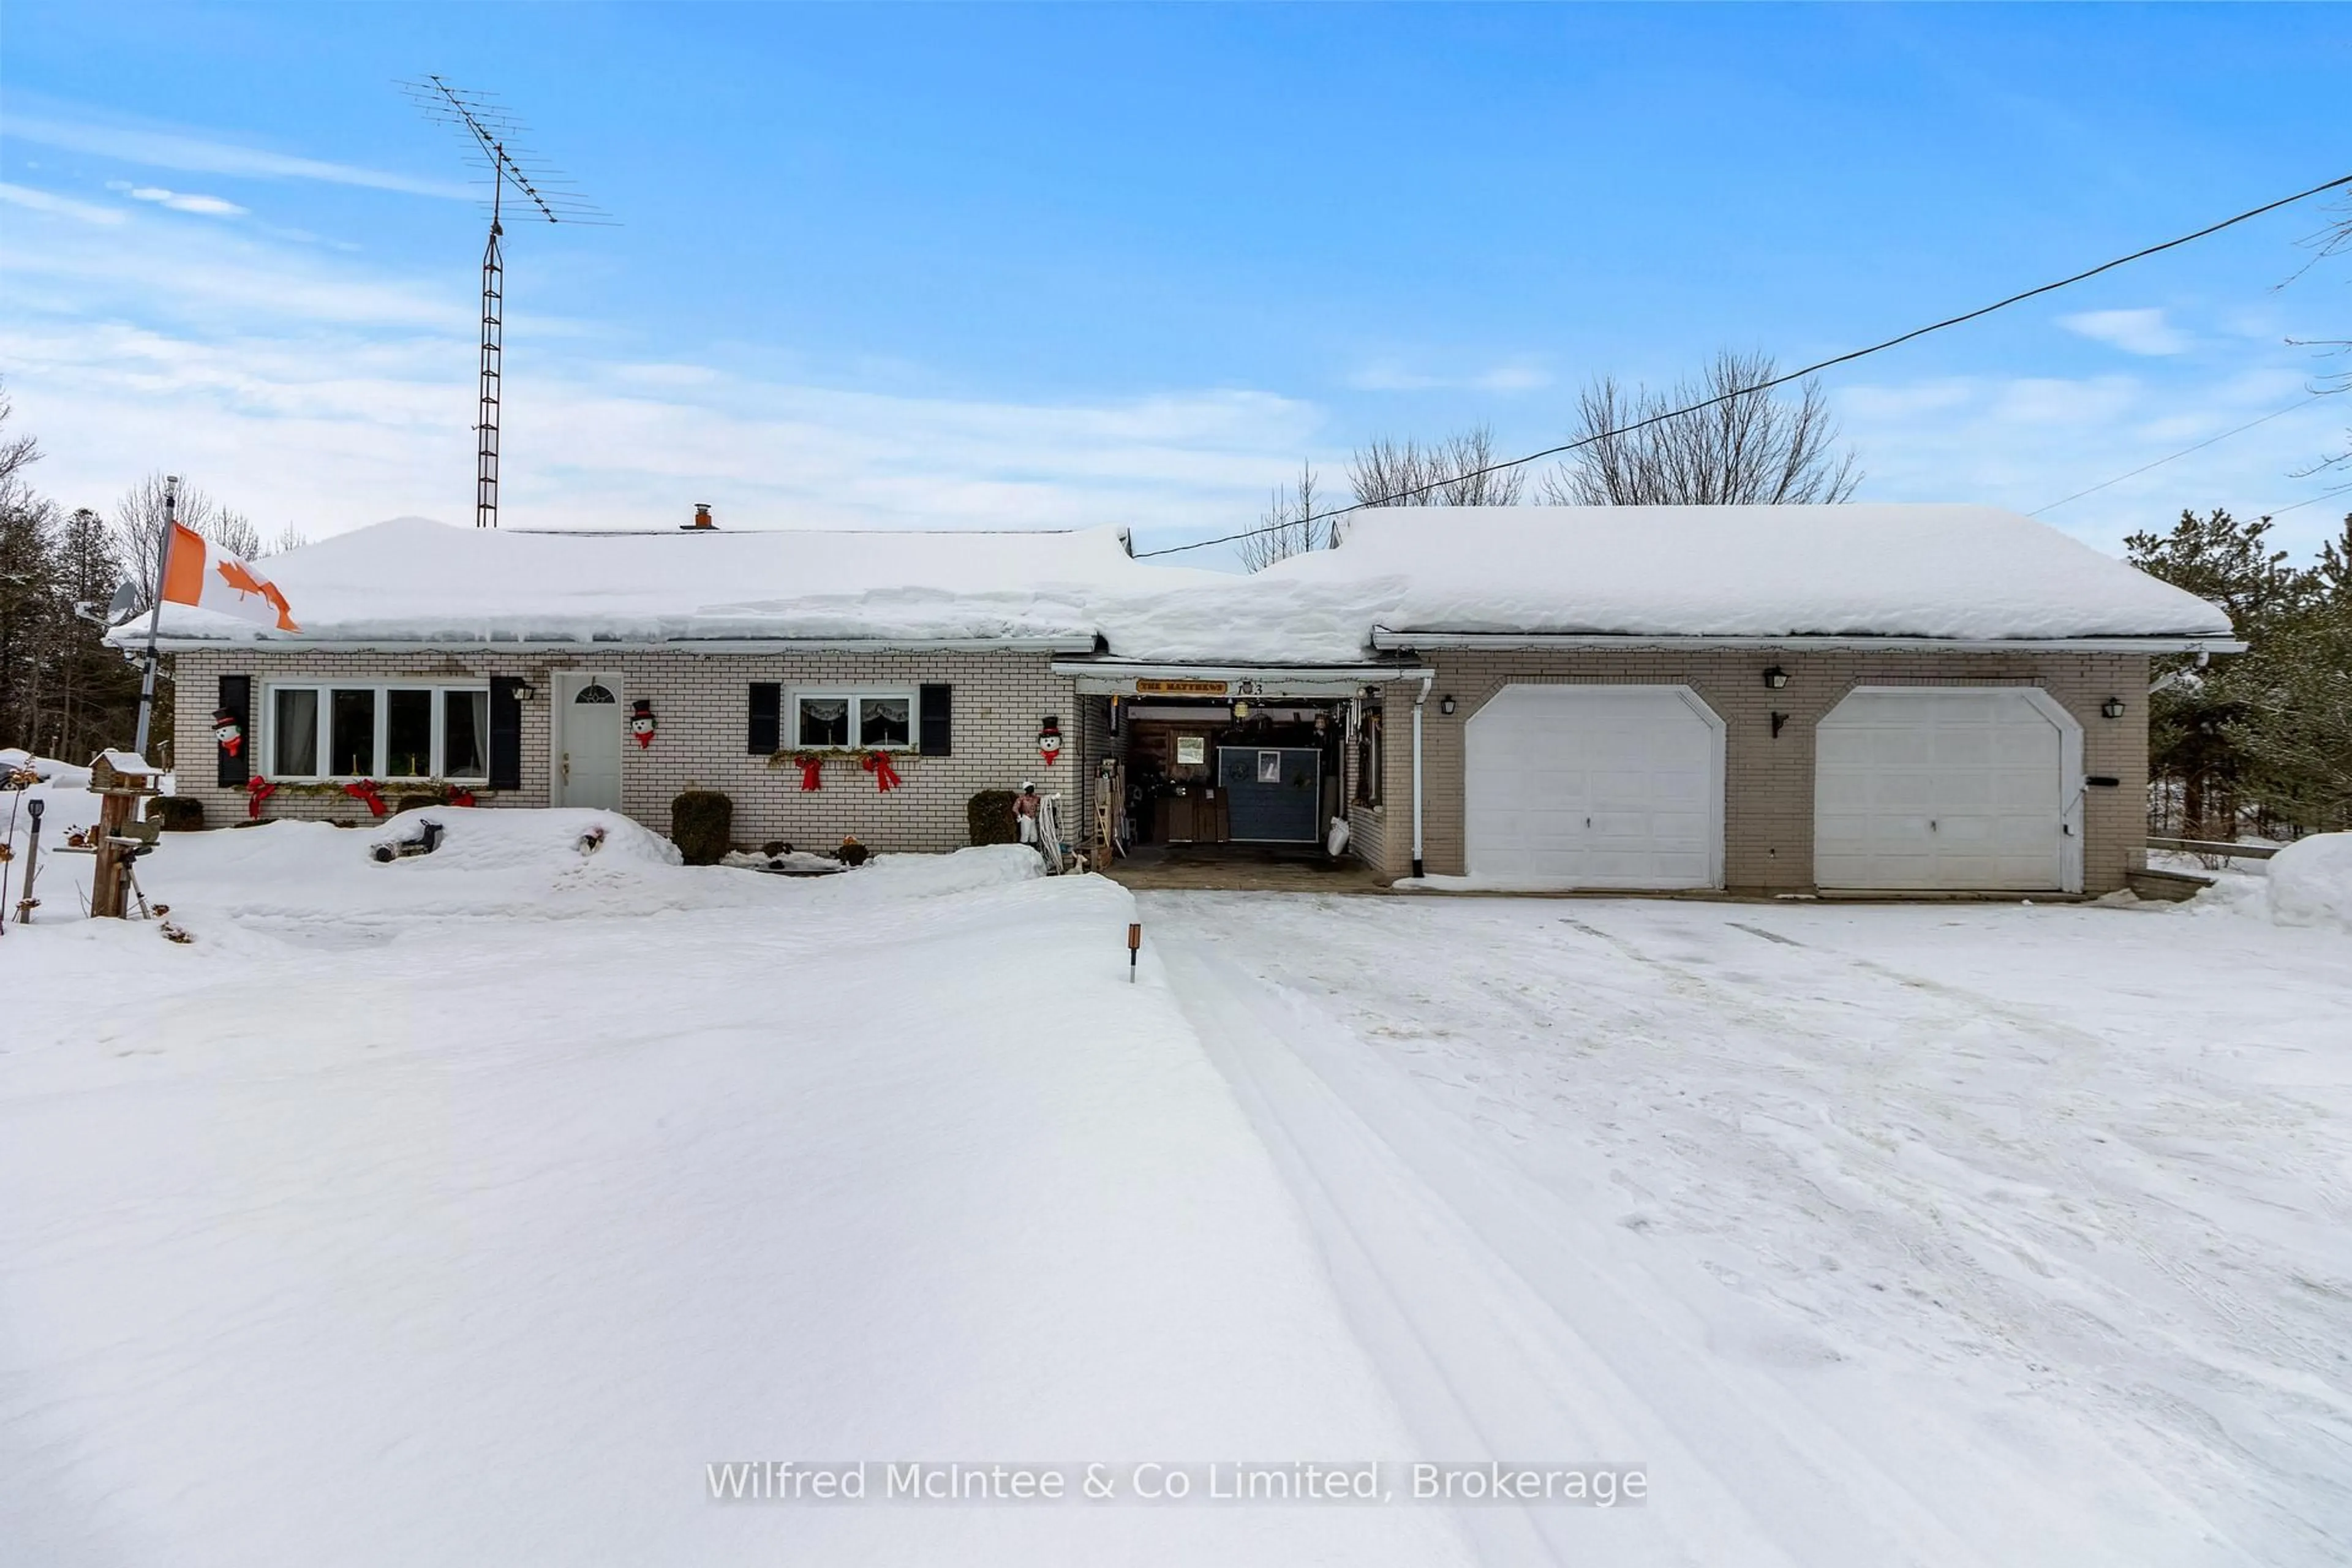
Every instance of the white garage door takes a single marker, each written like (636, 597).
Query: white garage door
(1595, 787)
(1953, 788)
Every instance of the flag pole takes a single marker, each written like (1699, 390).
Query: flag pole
(155, 610)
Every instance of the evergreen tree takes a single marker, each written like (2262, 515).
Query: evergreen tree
(2264, 738)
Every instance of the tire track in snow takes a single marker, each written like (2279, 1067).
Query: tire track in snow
(1891, 1185)
(1504, 1335)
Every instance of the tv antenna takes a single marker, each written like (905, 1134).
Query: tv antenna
(492, 131)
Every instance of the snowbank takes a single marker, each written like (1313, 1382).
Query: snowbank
(51, 772)
(318, 884)
(65, 801)
(2311, 882)
(476, 838)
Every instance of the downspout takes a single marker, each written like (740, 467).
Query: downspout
(1418, 699)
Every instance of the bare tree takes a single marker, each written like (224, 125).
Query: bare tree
(1291, 525)
(1459, 470)
(234, 531)
(2332, 241)
(289, 538)
(138, 523)
(17, 453)
(1746, 447)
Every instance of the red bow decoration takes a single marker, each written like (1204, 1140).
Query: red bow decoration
(256, 790)
(368, 791)
(810, 766)
(461, 797)
(886, 777)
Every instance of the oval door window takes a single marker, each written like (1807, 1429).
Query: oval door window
(592, 692)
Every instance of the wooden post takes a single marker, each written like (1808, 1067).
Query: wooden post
(32, 863)
(106, 887)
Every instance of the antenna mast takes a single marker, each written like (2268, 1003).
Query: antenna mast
(492, 131)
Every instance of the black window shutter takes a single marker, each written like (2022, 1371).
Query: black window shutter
(506, 733)
(767, 729)
(938, 735)
(236, 697)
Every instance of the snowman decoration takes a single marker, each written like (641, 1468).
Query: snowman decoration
(228, 730)
(641, 723)
(1049, 740)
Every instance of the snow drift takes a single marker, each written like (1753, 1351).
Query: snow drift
(2311, 882)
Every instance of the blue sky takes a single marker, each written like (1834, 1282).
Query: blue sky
(974, 267)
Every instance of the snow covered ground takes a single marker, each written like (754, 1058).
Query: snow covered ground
(465, 1208)
(1945, 1234)
(462, 1209)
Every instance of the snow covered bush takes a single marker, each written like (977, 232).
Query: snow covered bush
(989, 815)
(2311, 882)
(701, 822)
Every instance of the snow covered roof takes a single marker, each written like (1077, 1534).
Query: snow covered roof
(1943, 573)
(1401, 577)
(412, 580)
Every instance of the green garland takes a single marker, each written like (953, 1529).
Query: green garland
(391, 789)
(796, 756)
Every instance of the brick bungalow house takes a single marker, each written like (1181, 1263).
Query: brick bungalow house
(1862, 698)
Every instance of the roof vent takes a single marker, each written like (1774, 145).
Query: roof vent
(701, 518)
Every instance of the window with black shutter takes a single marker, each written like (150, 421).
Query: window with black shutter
(765, 733)
(937, 731)
(506, 733)
(236, 701)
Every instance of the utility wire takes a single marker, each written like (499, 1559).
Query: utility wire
(2184, 451)
(1406, 494)
(2308, 500)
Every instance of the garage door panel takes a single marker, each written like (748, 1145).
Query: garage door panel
(1937, 788)
(1594, 786)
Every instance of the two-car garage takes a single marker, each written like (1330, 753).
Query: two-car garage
(1920, 789)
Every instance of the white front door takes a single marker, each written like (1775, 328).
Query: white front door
(588, 731)
(1960, 789)
(1594, 786)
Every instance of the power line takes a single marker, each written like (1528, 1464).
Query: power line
(2184, 451)
(2308, 500)
(1813, 369)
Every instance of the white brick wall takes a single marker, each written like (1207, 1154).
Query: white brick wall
(701, 702)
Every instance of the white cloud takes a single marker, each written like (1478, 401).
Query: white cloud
(2026, 443)
(1390, 375)
(307, 387)
(208, 155)
(64, 207)
(209, 206)
(2134, 332)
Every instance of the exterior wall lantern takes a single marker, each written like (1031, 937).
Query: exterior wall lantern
(2112, 707)
(1445, 704)
(1776, 678)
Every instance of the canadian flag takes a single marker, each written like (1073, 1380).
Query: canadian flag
(195, 574)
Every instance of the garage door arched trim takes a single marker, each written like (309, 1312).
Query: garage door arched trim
(1645, 760)
(1869, 784)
